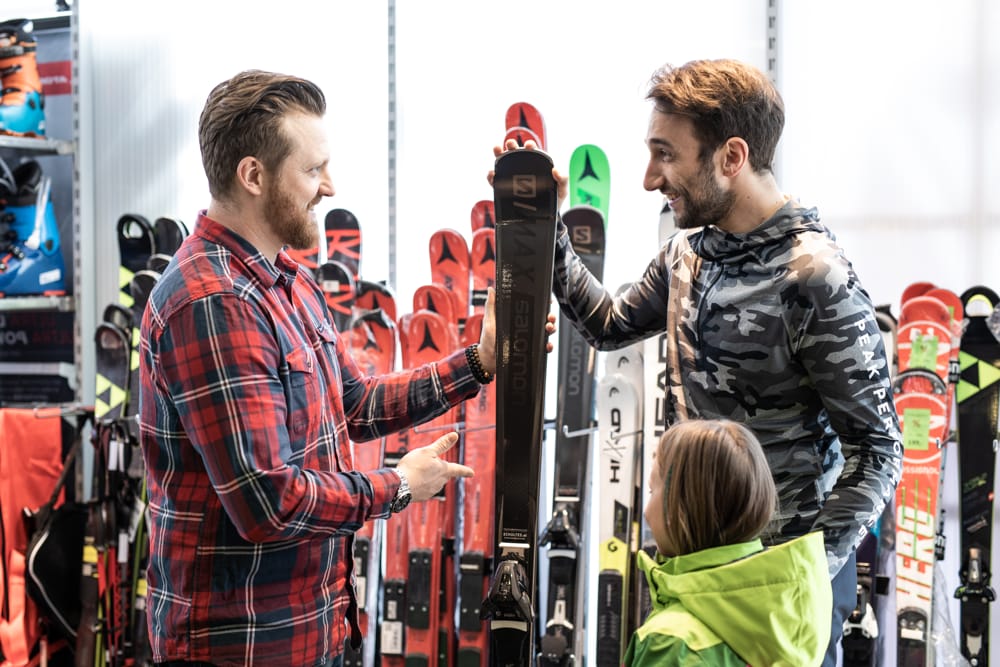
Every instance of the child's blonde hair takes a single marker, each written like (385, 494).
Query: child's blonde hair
(718, 488)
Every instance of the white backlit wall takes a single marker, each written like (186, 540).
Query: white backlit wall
(892, 109)
(893, 133)
(153, 64)
(584, 64)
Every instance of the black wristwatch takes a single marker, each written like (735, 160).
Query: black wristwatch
(403, 495)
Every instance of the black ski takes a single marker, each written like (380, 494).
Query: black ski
(337, 282)
(574, 420)
(136, 242)
(169, 234)
(525, 203)
(343, 240)
(113, 343)
(978, 397)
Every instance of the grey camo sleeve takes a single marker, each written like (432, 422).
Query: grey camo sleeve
(842, 350)
(608, 322)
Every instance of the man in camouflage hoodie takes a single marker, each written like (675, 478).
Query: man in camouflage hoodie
(767, 322)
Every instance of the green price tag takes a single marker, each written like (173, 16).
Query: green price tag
(916, 428)
(923, 352)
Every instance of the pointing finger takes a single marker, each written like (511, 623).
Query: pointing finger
(459, 470)
(444, 443)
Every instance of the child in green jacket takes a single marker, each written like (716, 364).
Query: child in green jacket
(719, 597)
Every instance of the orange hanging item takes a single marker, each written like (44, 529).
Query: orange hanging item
(30, 464)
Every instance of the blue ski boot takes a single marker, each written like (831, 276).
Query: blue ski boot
(22, 103)
(31, 261)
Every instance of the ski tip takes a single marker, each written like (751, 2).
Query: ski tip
(978, 299)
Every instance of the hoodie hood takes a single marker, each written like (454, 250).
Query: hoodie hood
(770, 606)
(712, 243)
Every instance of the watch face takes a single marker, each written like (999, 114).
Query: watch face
(403, 496)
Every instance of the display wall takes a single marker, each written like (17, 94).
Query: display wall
(893, 130)
(892, 127)
(893, 116)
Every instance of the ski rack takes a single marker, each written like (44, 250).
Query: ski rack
(37, 145)
(594, 429)
(579, 432)
(63, 303)
(67, 410)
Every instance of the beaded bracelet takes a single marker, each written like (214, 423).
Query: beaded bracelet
(476, 365)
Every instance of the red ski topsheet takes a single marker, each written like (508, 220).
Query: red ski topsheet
(479, 500)
(437, 298)
(483, 215)
(924, 337)
(923, 418)
(483, 258)
(370, 295)
(915, 289)
(924, 345)
(526, 119)
(373, 345)
(954, 305)
(429, 338)
(449, 257)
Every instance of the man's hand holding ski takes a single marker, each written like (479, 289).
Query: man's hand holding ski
(562, 181)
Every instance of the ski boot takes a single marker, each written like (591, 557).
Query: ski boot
(31, 261)
(22, 103)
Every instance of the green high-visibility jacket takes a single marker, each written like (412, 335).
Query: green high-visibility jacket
(737, 605)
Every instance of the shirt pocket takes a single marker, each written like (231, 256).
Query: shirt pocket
(302, 394)
(301, 365)
(331, 379)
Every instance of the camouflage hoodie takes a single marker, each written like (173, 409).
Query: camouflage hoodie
(771, 328)
(737, 604)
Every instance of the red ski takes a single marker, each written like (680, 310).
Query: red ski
(437, 298)
(428, 338)
(483, 259)
(392, 628)
(525, 122)
(483, 215)
(921, 396)
(369, 295)
(476, 557)
(449, 256)
(372, 338)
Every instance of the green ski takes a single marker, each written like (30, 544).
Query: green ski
(590, 178)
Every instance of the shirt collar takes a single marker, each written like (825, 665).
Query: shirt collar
(268, 274)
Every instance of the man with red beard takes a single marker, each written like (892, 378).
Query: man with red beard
(249, 400)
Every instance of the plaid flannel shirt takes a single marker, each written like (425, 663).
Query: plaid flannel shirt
(249, 400)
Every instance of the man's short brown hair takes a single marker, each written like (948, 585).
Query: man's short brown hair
(243, 117)
(724, 99)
